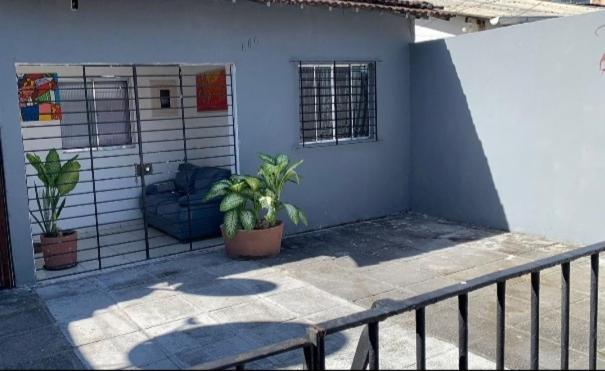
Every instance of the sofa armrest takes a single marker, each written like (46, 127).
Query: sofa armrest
(161, 187)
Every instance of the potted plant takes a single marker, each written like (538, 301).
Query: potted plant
(59, 247)
(251, 207)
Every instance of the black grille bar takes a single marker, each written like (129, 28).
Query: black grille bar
(130, 136)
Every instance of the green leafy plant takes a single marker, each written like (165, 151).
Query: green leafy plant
(58, 181)
(254, 202)
(239, 203)
(275, 172)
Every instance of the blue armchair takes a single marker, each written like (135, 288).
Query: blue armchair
(169, 203)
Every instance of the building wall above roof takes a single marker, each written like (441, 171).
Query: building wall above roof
(483, 9)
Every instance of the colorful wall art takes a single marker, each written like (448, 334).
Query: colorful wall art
(39, 97)
(211, 91)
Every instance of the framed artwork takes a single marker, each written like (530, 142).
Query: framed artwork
(211, 90)
(165, 101)
(39, 97)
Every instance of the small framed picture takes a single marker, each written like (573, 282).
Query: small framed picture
(164, 98)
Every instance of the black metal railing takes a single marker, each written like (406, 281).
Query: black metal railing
(367, 352)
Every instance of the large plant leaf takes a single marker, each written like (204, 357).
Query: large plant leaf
(238, 186)
(231, 223)
(69, 176)
(53, 166)
(253, 182)
(292, 169)
(218, 189)
(42, 224)
(60, 209)
(302, 217)
(247, 219)
(232, 201)
(266, 158)
(292, 213)
(37, 163)
(281, 160)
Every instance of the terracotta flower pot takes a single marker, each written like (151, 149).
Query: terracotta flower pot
(257, 243)
(60, 252)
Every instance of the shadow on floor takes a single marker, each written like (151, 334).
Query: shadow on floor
(207, 343)
(30, 337)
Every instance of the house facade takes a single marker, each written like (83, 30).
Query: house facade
(139, 62)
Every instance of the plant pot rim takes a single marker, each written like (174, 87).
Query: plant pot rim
(61, 234)
(279, 224)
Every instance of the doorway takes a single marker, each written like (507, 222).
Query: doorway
(150, 141)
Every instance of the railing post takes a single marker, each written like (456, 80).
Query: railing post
(307, 358)
(374, 345)
(420, 340)
(565, 286)
(463, 332)
(535, 321)
(500, 320)
(317, 337)
(594, 298)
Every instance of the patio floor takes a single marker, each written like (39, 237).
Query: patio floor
(203, 306)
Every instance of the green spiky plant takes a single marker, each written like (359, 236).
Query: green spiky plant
(250, 202)
(58, 181)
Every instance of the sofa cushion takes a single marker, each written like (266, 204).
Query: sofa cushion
(154, 201)
(207, 176)
(185, 178)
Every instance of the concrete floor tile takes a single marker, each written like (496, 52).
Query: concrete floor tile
(147, 292)
(253, 312)
(190, 333)
(223, 293)
(73, 308)
(321, 276)
(399, 274)
(154, 313)
(68, 288)
(336, 281)
(164, 364)
(17, 300)
(99, 326)
(27, 320)
(305, 301)
(124, 351)
(225, 347)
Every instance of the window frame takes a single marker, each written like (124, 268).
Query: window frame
(93, 121)
(371, 121)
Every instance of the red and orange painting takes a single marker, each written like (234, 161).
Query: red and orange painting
(211, 91)
(39, 97)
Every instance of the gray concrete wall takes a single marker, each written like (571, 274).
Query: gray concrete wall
(340, 184)
(508, 128)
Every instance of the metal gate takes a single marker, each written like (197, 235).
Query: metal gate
(150, 140)
(6, 264)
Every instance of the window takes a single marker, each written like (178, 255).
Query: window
(107, 119)
(337, 102)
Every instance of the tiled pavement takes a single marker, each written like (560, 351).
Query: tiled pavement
(203, 306)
